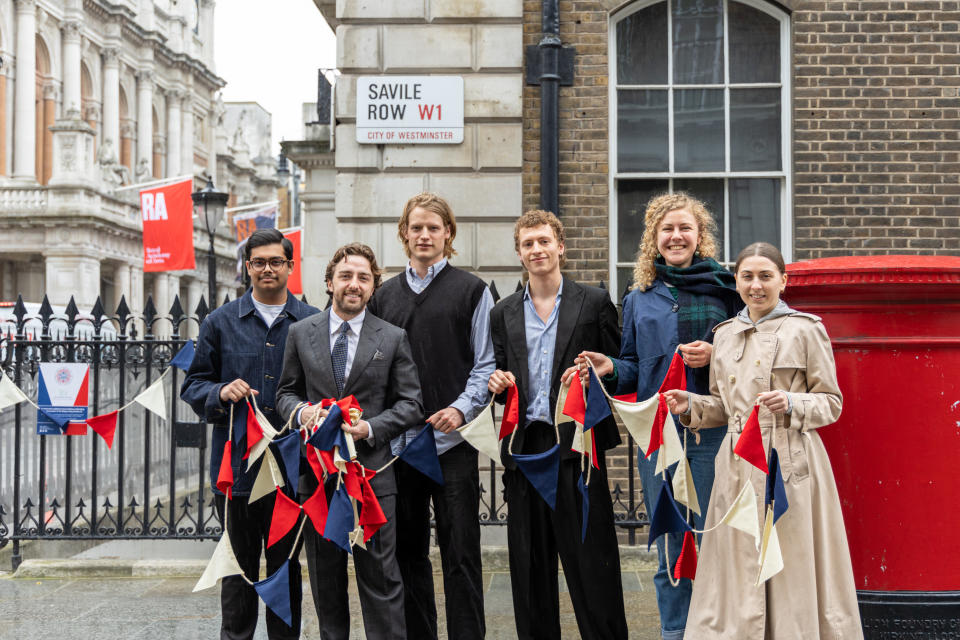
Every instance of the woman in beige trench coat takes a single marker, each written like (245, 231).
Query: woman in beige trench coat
(781, 359)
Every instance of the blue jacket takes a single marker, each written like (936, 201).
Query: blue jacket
(649, 339)
(235, 343)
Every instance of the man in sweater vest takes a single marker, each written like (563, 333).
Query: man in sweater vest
(446, 313)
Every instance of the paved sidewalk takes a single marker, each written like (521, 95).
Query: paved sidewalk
(83, 599)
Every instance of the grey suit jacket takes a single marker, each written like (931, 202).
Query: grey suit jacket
(383, 378)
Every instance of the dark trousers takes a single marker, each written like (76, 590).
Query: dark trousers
(456, 506)
(378, 581)
(536, 535)
(249, 528)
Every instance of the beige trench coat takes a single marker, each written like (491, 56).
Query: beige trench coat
(813, 596)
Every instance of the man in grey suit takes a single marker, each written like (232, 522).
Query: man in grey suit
(346, 350)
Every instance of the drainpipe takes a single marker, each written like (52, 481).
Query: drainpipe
(550, 65)
(550, 108)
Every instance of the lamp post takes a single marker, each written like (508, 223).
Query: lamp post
(208, 203)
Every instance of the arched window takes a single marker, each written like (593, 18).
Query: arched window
(89, 109)
(125, 152)
(700, 102)
(46, 107)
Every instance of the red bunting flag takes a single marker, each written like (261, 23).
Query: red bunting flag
(676, 377)
(750, 443)
(315, 463)
(627, 397)
(656, 433)
(105, 426)
(371, 515)
(254, 430)
(346, 404)
(574, 406)
(225, 477)
(686, 566)
(286, 512)
(351, 480)
(511, 413)
(316, 509)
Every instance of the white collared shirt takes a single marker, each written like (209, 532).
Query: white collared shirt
(353, 338)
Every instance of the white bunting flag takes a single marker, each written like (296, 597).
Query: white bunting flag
(771, 560)
(684, 490)
(638, 418)
(671, 450)
(223, 563)
(152, 398)
(268, 478)
(481, 433)
(742, 514)
(10, 393)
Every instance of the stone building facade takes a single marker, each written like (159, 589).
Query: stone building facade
(828, 128)
(95, 96)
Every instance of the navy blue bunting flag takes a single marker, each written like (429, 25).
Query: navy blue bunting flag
(330, 434)
(598, 409)
(585, 510)
(184, 357)
(421, 454)
(666, 516)
(541, 471)
(275, 592)
(776, 492)
(339, 519)
(289, 449)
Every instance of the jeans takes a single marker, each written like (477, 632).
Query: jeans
(673, 602)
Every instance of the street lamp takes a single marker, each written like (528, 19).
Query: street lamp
(208, 203)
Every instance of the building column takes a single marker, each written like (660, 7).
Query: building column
(186, 148)
(111, 98)
(71, 66)
(195, 291)
(46, 135)
(121, 279)
(73, 275)
(173, 132)
(3, 123)
(144, 121)
(24, 117)
(161, 302)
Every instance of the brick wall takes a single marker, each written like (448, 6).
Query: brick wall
(584, 192)
(876, 128)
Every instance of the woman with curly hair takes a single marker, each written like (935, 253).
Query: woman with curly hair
(679, 294)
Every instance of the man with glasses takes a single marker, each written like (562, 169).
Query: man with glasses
(240, 353)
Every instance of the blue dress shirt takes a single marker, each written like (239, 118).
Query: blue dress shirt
(541, 344)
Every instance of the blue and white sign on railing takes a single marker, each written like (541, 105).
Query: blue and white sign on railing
(410, 109)
(62, 397)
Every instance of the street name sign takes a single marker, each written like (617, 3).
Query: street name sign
(410, 109)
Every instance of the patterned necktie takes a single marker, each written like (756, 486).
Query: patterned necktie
(339, 357)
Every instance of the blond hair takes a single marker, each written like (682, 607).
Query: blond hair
(434, 204)
(644, 271)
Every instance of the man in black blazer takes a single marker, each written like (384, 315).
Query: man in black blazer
(342, 351)
(537, 334)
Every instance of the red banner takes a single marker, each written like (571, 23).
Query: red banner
(294, 284)
(168, 227)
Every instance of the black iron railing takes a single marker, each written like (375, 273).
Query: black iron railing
(152, 484)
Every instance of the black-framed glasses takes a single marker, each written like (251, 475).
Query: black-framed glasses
(259, 264)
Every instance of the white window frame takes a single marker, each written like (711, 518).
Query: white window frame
(786, 146)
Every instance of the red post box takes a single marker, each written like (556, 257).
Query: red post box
(895, 326)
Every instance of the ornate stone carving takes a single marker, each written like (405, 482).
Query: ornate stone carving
(71, 29)
(146, 77)
(111, 172)
(143, 170)
(111, 56)
(68, 153)
(50, 91)
(25, 5)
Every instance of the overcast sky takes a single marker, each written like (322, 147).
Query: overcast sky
(269, 53)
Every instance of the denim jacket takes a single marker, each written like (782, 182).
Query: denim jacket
(235, 343)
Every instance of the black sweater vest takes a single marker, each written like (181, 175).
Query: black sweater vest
(438, 323)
